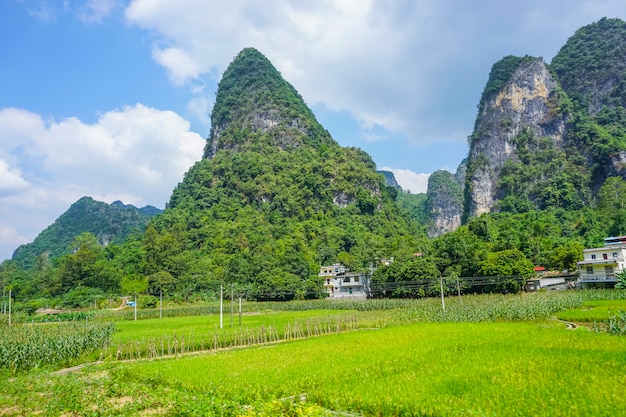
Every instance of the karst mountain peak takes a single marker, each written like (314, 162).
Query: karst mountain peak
(255, 103)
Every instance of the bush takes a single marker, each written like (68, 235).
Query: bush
(148, 301)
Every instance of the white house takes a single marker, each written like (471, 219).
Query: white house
(339, 282)
(599, 265)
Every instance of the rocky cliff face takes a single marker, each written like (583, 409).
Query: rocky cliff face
(521, 95)
(546, 136)
(390, 179)
(444, 203)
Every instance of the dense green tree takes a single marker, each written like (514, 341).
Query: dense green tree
(505, 263)
(565, 257)
(86, 266)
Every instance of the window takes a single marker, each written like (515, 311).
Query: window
(346, 279)
(605, 256)
(590, 270)
(615, 254)
(593, 256)
(356, 279)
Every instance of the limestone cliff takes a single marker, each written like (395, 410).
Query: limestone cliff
(390, 179)
(444, 203)
(521, 95)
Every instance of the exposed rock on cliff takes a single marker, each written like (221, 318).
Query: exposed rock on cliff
(521, 95)
(444, 203)
(390, 179)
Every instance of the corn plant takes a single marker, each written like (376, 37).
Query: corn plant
(23, 347)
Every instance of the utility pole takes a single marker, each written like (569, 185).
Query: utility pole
(221, 306)
(232, 302)
(9, 308)
(161, 303)
(135, 307)
(240, 311)
(443, 303)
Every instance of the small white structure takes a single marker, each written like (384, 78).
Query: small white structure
(547, 283)
(599, 265)
(339, 282)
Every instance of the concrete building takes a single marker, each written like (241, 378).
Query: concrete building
(340, 283)
(599, 265)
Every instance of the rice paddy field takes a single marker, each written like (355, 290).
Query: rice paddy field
(594, 310)
(483, 356)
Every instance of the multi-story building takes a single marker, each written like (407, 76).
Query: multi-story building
(339, 282)
(599, 265)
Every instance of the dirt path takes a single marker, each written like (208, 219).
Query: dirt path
(122, 306)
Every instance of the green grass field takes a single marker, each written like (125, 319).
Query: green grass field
(423, 369)
(470, 369)
(595, 310)
(486, 356)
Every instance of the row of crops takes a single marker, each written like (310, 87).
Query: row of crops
(29, 346)
(525, 306)
(254, 307)
(492, 307)
(469, 308)
(176, 344)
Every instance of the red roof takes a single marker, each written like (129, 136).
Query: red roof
(539, 268)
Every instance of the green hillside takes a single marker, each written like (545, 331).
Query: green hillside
(110, 223)
(275, 195)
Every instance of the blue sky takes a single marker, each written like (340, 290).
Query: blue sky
(110, 98)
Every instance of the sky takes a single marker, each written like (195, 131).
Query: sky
(111, 98)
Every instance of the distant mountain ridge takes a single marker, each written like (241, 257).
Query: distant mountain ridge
(108, 222)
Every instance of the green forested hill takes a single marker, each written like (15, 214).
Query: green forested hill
(591, 65)
(109, 223)
(275, 195)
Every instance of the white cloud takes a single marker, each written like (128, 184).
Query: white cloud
(41, 10)
(416, 68)
(10, 239)
(136, 154)
(410, 180)
(95, 11)
(200, 107)
(10, 179)
(180, 66)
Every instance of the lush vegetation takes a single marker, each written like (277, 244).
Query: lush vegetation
(543, 176)
(591, 66)
(251, 92)
(108, 222)
(276, 197)
(498, 364)
(24, 347)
